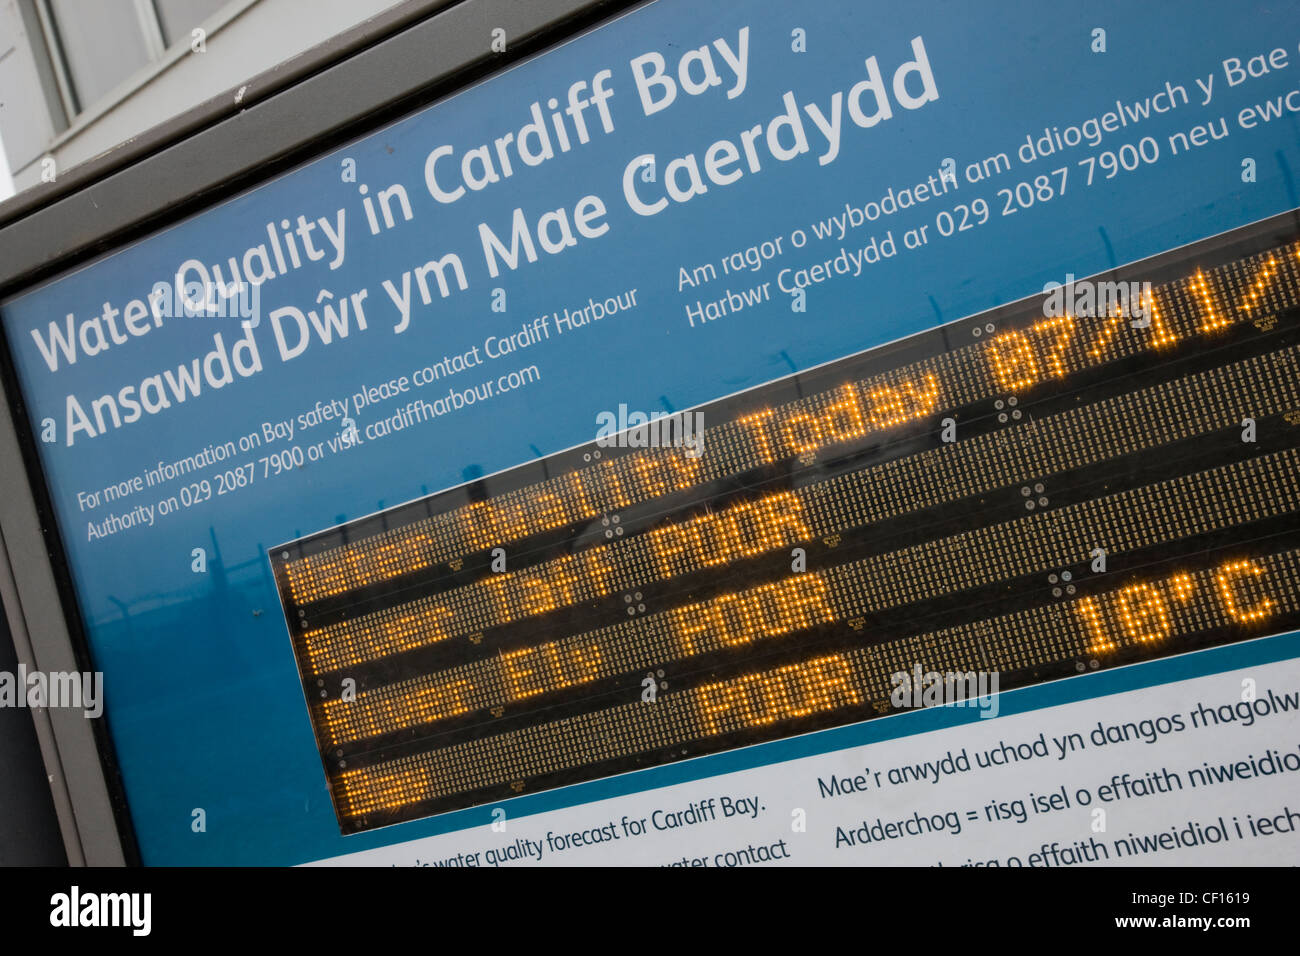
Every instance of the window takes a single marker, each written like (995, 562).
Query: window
(100, 44)
(96, 44)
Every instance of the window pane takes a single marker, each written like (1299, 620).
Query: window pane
(179, 17)
(102, 44)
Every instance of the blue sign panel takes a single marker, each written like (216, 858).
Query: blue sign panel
(684, 204)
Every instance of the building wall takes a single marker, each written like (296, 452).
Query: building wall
(242, 38)
(26, 120)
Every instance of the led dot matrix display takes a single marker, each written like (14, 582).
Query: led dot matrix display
(1029, 493)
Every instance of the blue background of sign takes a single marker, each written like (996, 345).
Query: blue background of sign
(204, 701)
